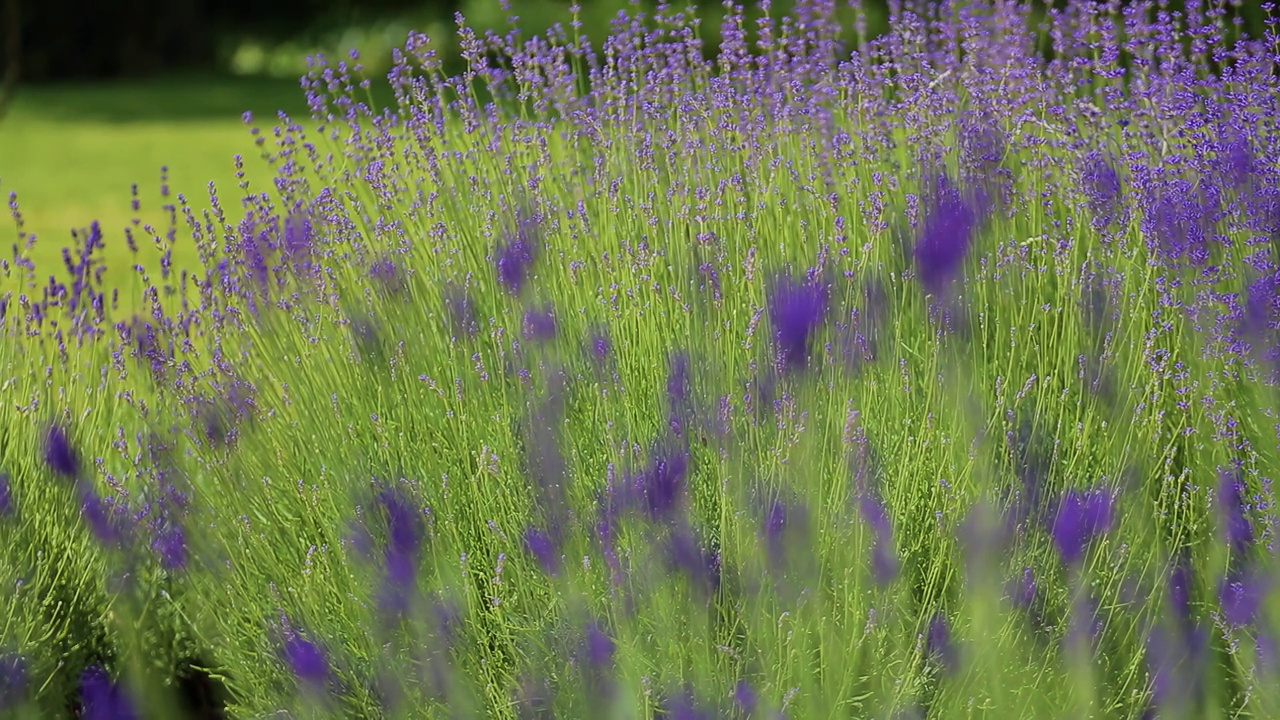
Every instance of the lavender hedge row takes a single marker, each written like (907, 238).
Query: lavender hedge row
(931, 378)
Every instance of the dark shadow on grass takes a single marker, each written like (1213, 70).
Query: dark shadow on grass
(203, 696)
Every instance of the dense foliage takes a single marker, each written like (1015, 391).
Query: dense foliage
(934, 378)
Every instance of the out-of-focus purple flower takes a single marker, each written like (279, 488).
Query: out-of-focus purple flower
(599, 346)
(1241, 595)
(785, 524)
(678, 380)
(58, 454)
(13, 680)
(1174, 665)
(403, 546)
(938, 643)
(102, 699)
(884, 563)
(540, 324)
(1268, 655)
(982, 536)
(1102, 187)
(1236, 526)
(597, 660)
(1022, 589)
(298, 243)
(1236, 162)
(170, 545)
(700, 565)
(683, 706)
(514, 259)
(796, 310)
(99, 516)
(744, 697)
(543, 550)
(1085, 623)
(661, 485)
(306, 661)
(597, 646)
(448, 617)
(365, 333)
(1262, 306)
(945, 235)
(461, 310)
(6, 498)
(1081, 516)
(387, 273)
(1180, 589)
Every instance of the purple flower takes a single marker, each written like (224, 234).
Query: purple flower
(683, 706)
(796, 311)
(599, 346)
(1241, 595)
(460, 308)
(1081, 516)
(540, 324)
(1236, 161)
(678, 379)
(938, 643)
(98, 515)
(1102, 187)
(1236, 525)
(541, 547)
(365, 333)
(1022, 590)
(6, 498)
(103, 699)
(597, 660)
(513, 261)
(298, 242)
(744, 697)
(306, 661)
(170, 545)
(403, 546)
(58, 454)
(783, 528)
(686, 554)
(945, 236)
(661, 485)
(1180, 589)
(884, 563)
(13, 680)
(388, 275)
(597, 647)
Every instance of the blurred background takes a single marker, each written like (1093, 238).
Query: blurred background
(97, 96)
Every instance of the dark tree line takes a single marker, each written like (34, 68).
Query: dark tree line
(89, 39)
(45, 40)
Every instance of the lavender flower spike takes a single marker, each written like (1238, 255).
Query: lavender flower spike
(945, 237)
(13, 680)
(103, 699)
(58, 454)
(1081, 517)
(306, 661)
(796, 311)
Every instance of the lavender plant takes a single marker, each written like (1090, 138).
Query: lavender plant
(931, 375)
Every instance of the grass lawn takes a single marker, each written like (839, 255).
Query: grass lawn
(72, 153)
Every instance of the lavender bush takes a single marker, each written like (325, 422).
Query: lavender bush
(933, 377)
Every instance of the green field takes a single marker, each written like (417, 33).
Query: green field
(73, 152)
